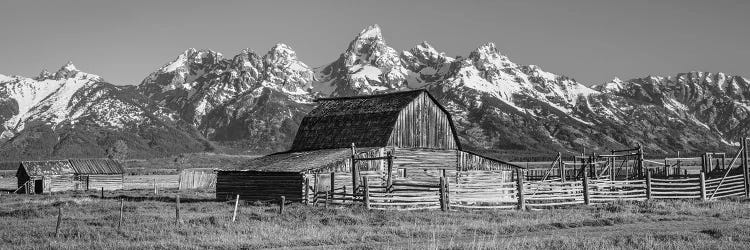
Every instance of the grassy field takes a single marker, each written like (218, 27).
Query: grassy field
(28, 222)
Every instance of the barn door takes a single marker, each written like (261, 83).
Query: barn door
(38, 186)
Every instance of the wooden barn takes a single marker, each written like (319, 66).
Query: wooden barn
(97, 174)
(397, 135)
(39, 177)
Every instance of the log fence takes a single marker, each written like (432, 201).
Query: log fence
(479, 191)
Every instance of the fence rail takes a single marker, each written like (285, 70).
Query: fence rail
(478, 191)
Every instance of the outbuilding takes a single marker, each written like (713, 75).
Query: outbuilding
(39, 177)
(95, 174)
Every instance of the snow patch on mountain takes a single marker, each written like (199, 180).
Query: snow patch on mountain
(67, 98)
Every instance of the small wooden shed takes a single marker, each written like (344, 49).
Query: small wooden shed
(98, 173)
(38, 177)
(281, 174)
(409, 128)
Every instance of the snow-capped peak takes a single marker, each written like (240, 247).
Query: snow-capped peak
(69, 66)
(285, 70)
(425, 51)
(4, 78)
(45, 75)
(371, 32)
(68, 71)
(192, 56)
(281, 50)
(613, 86)
(488, 53)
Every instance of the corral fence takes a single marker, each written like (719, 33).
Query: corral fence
(477, 193)
(580, 183)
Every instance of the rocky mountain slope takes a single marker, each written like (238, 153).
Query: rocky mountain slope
(71, 113)
(255, 102)
(499, 105)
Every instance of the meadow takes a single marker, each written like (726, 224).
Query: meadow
(91, 222)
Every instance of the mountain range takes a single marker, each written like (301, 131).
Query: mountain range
(254, 102)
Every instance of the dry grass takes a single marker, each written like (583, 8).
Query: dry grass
(28, 222)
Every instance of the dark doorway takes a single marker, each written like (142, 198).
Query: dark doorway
(38, 186)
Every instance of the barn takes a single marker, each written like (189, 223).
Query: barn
(40, 177)
(97, 174)
(404, 134)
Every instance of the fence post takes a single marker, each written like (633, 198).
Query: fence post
(333, 185)
(156, 190)
(640, 161)
(354, 170)
(179, 180)
(611, 163)
(343, 190)
(307, 190)
(282, 200)
(442, 194)
(679, 166)
(745, 167)
(315, 190)
(389, 180)
(59, 220)
(122, 206)
(366, 193)
(326, 201)
(586, 199)
(102, 196)
(702, 179)
(236, 204)
(648, 185)
(447, 194)
(519, 189)
(177, 210)
(562, 167)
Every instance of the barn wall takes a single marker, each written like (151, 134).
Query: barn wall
(424, 164)
(108, 182)
(422, 124)
(258, 186)
(59, 183)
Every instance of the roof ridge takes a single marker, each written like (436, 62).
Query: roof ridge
(369, 96)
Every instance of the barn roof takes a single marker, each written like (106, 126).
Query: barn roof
(46, 168)
(366, 121)
(298, 161)
(96, 166)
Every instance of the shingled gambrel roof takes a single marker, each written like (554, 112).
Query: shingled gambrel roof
(96, 166)
(366, 121)
(47, 168)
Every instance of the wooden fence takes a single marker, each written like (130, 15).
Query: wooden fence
(548, 194)
(480, 191)
(149, 181)
(404, 195)
(197, 178)
(601, 191)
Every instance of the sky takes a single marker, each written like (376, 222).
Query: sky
(591, 41)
